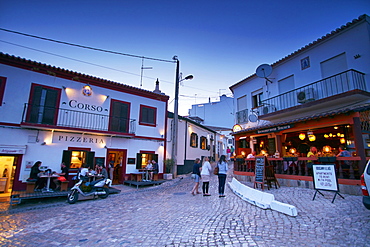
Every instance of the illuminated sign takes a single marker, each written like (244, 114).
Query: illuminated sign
(237, 128)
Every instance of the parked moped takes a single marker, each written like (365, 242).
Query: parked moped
(98, 188)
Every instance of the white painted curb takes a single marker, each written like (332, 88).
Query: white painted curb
(261, 199)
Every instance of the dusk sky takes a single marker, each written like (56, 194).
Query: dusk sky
(219, 42)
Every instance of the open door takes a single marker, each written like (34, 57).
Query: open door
(116, 165)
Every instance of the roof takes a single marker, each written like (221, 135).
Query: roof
(72, 75)
(355, 108)
(361, 18)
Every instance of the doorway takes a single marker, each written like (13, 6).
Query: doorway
(7, 172)
(116, 165)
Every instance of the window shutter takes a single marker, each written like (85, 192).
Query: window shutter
(90, 159)
(67, 155)
(138, 161)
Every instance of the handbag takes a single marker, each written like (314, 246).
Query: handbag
(215, 171)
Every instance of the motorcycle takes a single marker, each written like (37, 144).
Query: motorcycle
(98, 188)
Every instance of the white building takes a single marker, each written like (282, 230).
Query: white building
(55, 115)
(321, 89)
(218, 116)
(194, 141)
(219, 113)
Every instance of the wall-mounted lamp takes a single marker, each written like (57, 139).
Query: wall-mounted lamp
(161, 144)
(105, 146)
(44, 143)
(107, 96)
(64, 87)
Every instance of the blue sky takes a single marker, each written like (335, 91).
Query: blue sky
(219, 42)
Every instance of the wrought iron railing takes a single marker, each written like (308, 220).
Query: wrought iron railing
(334, 85)
(59, 117)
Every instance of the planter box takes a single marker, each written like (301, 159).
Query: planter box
(167, 176)
(327, 159)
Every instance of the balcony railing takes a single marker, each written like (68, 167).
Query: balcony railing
(59, 117)
(334, 85)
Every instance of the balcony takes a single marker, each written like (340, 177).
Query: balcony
(57, 118)
(330, 93)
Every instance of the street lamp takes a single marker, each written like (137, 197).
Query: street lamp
(176, 115)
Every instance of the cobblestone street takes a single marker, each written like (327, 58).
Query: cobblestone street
(168, 215)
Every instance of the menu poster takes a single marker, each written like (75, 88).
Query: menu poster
(260, 169)
(324, 177)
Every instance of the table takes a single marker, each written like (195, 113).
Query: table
(47, 189)
(146, 173)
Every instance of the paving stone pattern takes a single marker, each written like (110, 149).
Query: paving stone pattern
(168, 215)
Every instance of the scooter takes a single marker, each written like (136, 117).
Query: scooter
(98, 188)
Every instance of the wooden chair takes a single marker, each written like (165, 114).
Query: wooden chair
(64, 185)
(30, 187)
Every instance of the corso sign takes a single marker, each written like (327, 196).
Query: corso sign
(74, 104)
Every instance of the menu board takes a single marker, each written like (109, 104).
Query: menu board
(260, 169)
(324, 177)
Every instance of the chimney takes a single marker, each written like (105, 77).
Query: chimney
(156, 90)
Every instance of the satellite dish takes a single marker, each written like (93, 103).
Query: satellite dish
(253, 118)
(264, 70)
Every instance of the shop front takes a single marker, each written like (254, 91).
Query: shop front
(293, 146)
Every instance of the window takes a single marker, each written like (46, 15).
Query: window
(75, 157)
(334, 65)
(143, 158)
(203, 142)
(242, 113)
(148, 116)
(119, 116)
(194, 140)
(257, 98)
(43, 103)
(2, 89)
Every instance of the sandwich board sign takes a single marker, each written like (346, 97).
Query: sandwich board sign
(324, 178)
(259, 176)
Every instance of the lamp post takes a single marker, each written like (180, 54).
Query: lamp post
(176, 115)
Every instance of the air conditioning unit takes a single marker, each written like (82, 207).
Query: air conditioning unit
(306, 95)
(268, 109)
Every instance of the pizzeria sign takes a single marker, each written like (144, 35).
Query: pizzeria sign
(275, 129)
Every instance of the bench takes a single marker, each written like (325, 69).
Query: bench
(137, 176)
(30, 187)
(64, 185)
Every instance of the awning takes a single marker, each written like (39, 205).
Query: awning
(355, 108)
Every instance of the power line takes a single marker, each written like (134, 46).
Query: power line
(95, 49)
(87, 47)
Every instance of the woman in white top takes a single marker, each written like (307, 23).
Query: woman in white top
(205, 174)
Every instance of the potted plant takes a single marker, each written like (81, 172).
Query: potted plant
(327, 158)
(290, 158)
(168, 165)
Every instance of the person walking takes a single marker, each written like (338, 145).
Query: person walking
(222, 171)
(196, 176)
(205, 175)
